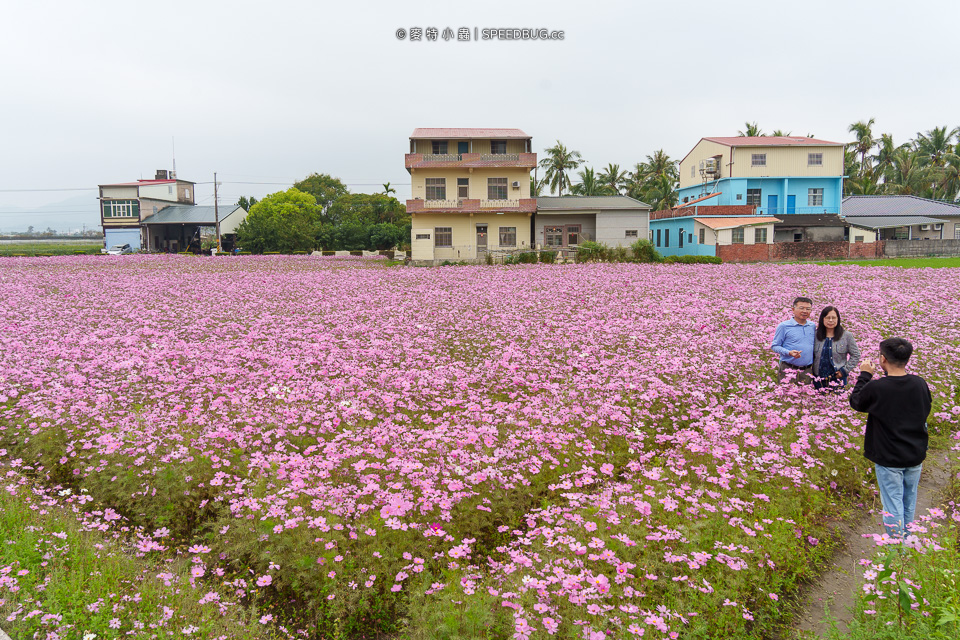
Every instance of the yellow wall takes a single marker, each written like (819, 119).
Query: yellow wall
(464, 234)
(787, 161)
(868, 235)
(704, 149)
(478, 181)
(725, 236)
(477, 145)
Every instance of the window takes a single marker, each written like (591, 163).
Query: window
(121, 209)
(666, 237)
(463, 187)
(685, 199)
(496, 188)
(753, 197)
(553, 236)
(631, 233)
(690, 238)
(956, 231)
(901, 233)
(758, 160)
(814, 197)
(423, 236)
(739, 196)
(658, 237)
(444, 236)
(858, 238)
(814, 159)
(498, 146)
(681, 238)
(170, 188)
(693, 170)
(508, 236)
(760, 235)
(439, 147)
(737, 236)
(703, 236)
(436, 188)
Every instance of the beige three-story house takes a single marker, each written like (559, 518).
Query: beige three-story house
(470, 192)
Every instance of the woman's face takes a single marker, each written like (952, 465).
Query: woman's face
(830, 320)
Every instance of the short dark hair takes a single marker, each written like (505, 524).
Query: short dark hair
(797, 301)
(897, 351)
(822, 328)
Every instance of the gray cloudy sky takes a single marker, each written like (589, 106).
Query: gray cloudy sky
(268, 92)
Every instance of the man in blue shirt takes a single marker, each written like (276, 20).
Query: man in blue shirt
(794, 342)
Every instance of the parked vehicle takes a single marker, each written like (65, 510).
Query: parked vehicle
(119, 249)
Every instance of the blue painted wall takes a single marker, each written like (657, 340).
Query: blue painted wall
(690, 248)
(781, 187)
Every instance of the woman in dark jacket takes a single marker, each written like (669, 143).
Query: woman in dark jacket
(835, 352)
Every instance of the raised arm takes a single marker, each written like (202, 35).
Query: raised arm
(860, 397)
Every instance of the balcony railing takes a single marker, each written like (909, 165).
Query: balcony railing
(441, 204)
(785, 211)
(442, 157)
(499, 204)
(502, 157)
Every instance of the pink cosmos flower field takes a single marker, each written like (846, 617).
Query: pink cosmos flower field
(569, 451)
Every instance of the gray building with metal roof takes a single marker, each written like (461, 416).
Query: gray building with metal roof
(904, 217)
(177, 227)
(566, 222)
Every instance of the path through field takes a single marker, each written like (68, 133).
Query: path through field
(836, 590)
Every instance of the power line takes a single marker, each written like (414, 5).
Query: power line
(36, 190)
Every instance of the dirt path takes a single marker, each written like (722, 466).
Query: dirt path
(838, 586)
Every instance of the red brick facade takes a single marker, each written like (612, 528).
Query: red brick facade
(790, 251)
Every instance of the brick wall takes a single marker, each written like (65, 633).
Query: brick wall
(790, 251)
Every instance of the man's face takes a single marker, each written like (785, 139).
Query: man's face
(801, 311)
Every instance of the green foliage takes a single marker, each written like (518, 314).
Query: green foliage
(548, 257)
(692, 260)
(591, 251)
(324, 188)
(557, 163)
(246, 202)
(385, 236)
(285, 221)
(644, 251)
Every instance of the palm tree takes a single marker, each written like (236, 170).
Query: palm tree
(614, 178)
(779, 133)
(863, 130)
(590, 184)
(661, 193)
(753, 131)
(536, 187)
(557, 163)
(935, 144)
(908, 176)
(659, 164)
(387, 189)
(883, 160)
(950, 176)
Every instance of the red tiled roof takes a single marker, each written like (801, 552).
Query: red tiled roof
(449, 133)
(727, 223)
(771, 141)
(700, 199)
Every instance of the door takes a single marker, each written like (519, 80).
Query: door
(481, 237)
(791, 204)
(463, 147)
(771, 205)
(573, 235)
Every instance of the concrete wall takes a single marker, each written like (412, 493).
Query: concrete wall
(906, 248)
(477, 187)
(464, 228)
(613, 225)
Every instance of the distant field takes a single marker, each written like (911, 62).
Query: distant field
(907, 263)
(52, 248)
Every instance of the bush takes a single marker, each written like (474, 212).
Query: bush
(548, 257)
(591, 251)
(692, 260)
(617, 254)
(644, 251)
(527, 257)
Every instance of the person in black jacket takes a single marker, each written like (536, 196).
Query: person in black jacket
(896, 437)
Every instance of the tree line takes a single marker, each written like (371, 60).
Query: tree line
(319, 212)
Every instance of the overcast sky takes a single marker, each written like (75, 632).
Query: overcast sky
(268, 92)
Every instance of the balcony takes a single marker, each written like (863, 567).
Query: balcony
(785, 211)
(473, 205)
(469, 160)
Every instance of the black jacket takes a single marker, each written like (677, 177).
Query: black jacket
(898, 407)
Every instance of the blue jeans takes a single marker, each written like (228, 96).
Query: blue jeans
(898, 493)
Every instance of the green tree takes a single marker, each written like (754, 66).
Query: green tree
(613, 178)
(387, 189)
(385, 236)
(536, 187)
(325, 188)
(557, 164)
(753, 130)
(908, 176)
(285, 221)
(864, 141)
(368, 208)
(660, 193)
(780, 134)
(246, 202)
(589, 185)
(935, 145)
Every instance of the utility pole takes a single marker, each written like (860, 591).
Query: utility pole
(216, 211)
